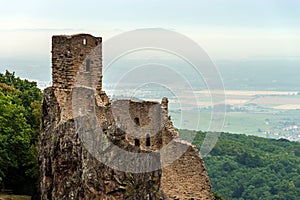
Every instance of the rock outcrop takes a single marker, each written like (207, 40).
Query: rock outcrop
(93, 148)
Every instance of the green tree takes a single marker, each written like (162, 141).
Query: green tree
(20, 113)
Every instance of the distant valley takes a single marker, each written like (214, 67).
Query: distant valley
(262, 95)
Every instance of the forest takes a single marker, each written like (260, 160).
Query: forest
(249, 167)
(239, 166)
(20, 114)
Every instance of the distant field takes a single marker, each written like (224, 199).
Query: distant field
(258, 121)
(259, 113)
(288, 107)
(247, 123)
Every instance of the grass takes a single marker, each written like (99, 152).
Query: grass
(14, 197)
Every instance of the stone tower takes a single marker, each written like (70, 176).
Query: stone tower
(76, 104)
(69, 53)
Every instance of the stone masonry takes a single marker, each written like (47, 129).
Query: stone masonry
(77, 104)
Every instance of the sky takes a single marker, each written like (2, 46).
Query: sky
(226, 29)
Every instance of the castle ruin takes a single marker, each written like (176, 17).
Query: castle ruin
(75, 104)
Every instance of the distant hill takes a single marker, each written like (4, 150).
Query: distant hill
(249, 167)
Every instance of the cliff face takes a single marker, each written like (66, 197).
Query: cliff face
(69, 171)
(94, 148)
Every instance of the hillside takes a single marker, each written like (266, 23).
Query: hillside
(248, 167)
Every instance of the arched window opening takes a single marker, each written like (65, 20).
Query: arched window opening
(136, 142)
(84, 41)
(148, 140)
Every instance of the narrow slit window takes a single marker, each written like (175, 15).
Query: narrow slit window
(148, 140)
(84, 41)
(88, 65)
(137, 121)
(137, 142)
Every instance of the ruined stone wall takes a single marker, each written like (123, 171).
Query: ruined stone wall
(142, 121)
(185, 177)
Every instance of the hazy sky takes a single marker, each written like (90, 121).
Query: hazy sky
(227, 29)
